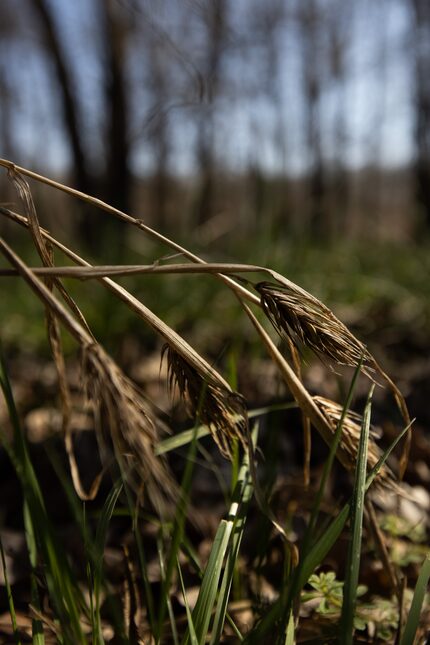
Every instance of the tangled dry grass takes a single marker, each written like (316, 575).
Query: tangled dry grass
(294, 313)
(128, 426)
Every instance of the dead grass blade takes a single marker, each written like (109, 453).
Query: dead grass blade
(128, 219)
(133, 432)
(306, 425)
(216, 406)
(201, 376)
(45, 251)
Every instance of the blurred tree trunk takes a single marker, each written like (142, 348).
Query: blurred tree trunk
(118, 179)
(273, 19)
(159, 131)
(339, 22)
(81, 176)
(114, 187)
(216, 21)
(309, 18)
(421, 10)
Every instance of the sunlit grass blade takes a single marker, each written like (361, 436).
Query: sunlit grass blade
(354, 550)
(289, 636)
(208, 591)
(413, 619)
(223, 543)
(242, 495)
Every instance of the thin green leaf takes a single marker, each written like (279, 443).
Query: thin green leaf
(38, 636)
(208, 591)
(178, 531)
(290, 635)
(320, 549)
(98, 551)
(191, 629)
(168, 600)
(354, 551)
(377, 467)
(64, 592)
(9, 597)
(413, 619)
(242, 496)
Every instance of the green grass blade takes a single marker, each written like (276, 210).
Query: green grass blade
(242, 496)
(381, 461)
(38, 636)
(208, 591)
(354, 550)
(9, 597)
(64, 591)
(98, 551)
(316, 555)
(178, 531)
(293, 590)
(167, 599)
(329, 461)
(413, 619)
(133, 512)
(290, 637)
(191, 629)
(320, 549)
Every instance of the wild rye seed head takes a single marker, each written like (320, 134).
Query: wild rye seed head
(127, 418)
(302, 318)
(350, 437)
(222, 410)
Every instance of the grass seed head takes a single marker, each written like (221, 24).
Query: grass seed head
(222, 410)
(302, 318)
(350, 437)
(133, 430)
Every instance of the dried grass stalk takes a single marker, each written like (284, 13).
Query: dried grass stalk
(214, 404)
(45, 251)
